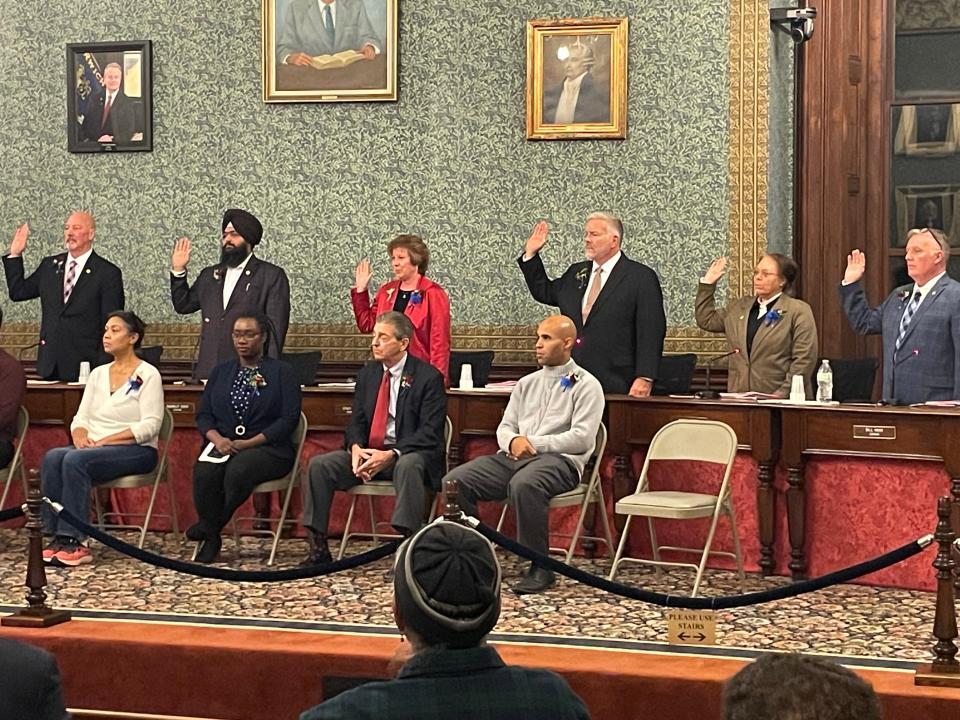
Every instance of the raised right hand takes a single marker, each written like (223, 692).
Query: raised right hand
(716, 270)
(363, 274)
(181, 254)
(19, 242)
(856, 267)
(537, 239)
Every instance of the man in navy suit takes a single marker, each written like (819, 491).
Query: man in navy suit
(325, 27)
(77, 289)
(112, 117)
(616, 304)
(920, 323)
(29, 683)
(395, 432)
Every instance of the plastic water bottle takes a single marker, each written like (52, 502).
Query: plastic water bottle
(824, 382)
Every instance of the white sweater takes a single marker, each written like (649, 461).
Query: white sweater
(139, 410)
(552, 418)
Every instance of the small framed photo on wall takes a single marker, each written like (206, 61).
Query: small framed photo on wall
(109, 97)
(326, 51)
(577, 79)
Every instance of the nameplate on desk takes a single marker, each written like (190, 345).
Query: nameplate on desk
(181, 407)
(874, 432)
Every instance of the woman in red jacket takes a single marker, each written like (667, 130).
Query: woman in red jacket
(417, 297)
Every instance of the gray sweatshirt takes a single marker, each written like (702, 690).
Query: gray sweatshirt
(555, 418)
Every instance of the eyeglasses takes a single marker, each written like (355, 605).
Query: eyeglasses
(245, 334)
(935, 233)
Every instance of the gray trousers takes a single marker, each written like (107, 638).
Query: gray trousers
(527, 485)
(331, 472)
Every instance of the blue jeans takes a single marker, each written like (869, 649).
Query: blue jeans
(69, 473)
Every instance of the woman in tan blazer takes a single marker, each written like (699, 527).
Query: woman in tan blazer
(774, 332)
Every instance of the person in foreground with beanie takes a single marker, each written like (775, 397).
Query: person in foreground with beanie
(446, 599)
(240, 285)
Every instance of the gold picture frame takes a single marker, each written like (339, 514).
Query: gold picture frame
(349, 56)
(577, 79)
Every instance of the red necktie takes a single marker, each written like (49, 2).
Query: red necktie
(378, 428)
(106, 111)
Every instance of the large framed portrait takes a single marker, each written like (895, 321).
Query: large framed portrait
(927, 206)
(109, 97)
(326, 51)
(928, 130)
(577, 79)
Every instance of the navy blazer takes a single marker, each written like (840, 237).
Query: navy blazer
(421, 412)
(274, 411)
(927, 365)
(70, 332)
(623, 337)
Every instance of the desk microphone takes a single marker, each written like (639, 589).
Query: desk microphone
(708, 393)
(194, 359)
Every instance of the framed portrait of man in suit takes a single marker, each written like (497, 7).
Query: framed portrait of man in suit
(109, 97)
(329, 50)
(927, 130)
(926, 206)
(577, 79)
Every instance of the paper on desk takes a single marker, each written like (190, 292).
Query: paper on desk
(939, 403)
(41, 382)
(494, 389)
(752, 395)
(787, 401)
(342, 385)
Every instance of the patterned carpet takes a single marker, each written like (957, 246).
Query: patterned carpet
(847, 620)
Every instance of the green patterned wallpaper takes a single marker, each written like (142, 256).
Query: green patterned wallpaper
(332, 182)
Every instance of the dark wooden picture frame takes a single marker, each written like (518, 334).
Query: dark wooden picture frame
(109, 97)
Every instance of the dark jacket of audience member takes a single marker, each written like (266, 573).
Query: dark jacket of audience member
(14, 384)
(446, 601)
(29, 683)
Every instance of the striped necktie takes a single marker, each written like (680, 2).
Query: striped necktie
(69, 281)
(907, 317)
(328, 23)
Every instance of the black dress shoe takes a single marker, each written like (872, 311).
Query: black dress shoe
(535, 581)
(319, 555)
(198, 531)
(209, 550)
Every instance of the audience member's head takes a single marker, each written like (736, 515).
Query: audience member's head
(798, 687)
(446, 587)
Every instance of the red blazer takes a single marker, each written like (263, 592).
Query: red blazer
(430, 318)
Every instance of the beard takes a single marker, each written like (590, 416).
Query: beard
(233, 256)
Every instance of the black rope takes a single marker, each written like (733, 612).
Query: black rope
(689, 603)
(216, 573)
(11, 513)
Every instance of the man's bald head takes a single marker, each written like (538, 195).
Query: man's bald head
(556, 336)
(78, 232)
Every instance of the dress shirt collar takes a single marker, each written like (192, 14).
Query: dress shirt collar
(396, 369)
(333, 9)
(607, 266)
(764, 306)
(925, 289)
(573, 84)
(80, 260)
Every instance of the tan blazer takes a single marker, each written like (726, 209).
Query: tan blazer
(781, 350)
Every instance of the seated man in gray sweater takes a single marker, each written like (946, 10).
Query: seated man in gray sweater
(546, 436)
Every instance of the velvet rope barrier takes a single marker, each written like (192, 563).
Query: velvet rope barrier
(689, 603)
(11, 513)
(214, 573)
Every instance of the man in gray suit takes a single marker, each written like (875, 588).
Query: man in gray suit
(920, 323)
(325, 27)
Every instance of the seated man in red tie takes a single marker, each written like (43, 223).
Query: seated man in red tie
(395, 432)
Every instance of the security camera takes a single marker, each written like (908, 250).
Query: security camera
(796, 22)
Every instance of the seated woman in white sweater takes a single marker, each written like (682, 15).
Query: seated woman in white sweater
(114, 434)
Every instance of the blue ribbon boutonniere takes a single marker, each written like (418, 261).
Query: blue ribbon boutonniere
(568, 381)
(416, 297)
(903, 295)
(406, 381)
(772, 317)
(134, 384)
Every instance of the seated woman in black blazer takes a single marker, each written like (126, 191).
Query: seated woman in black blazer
(248, 413)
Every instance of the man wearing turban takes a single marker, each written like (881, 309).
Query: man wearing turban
(240, 285)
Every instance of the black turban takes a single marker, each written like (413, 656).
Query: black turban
(244, 223)
(447, 585)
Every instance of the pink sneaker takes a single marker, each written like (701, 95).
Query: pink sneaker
(50, 550)
(73, 556)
